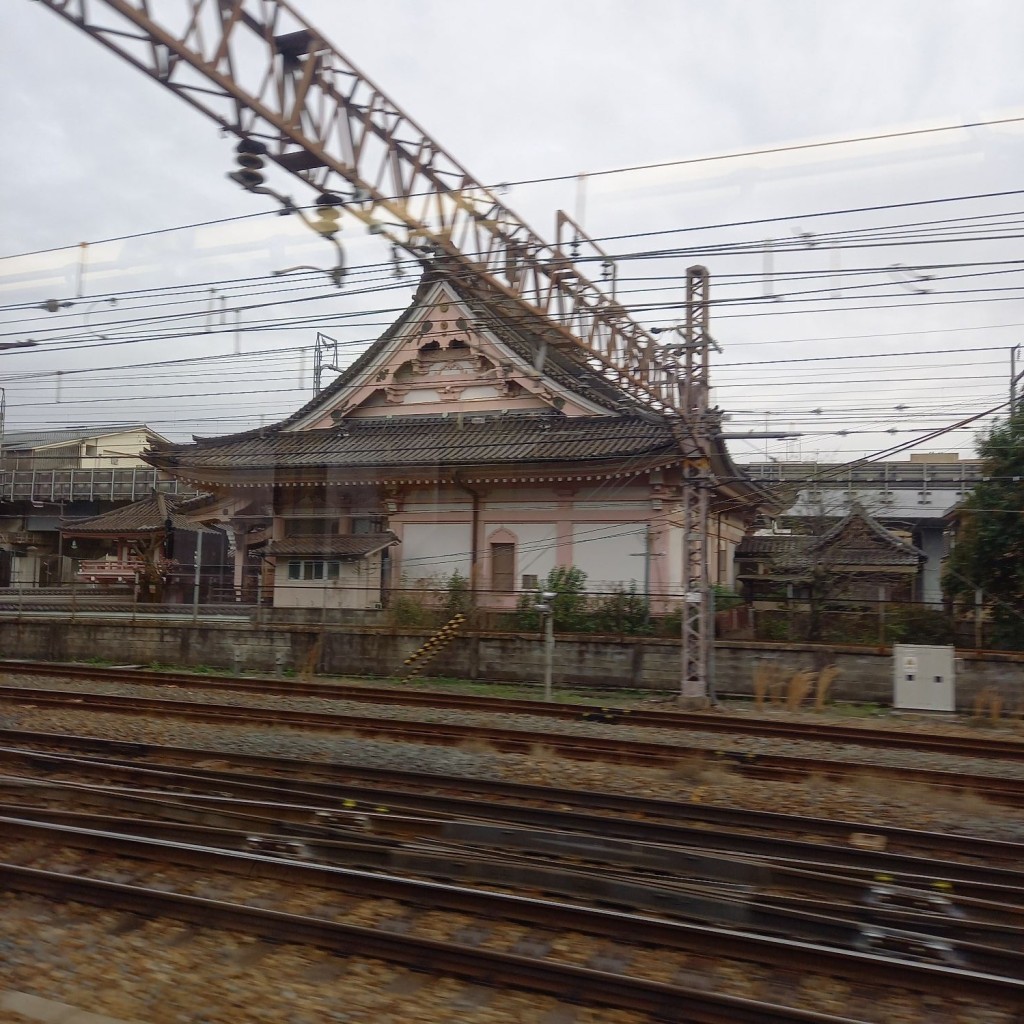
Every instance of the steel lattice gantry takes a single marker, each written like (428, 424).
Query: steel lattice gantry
(261, 72)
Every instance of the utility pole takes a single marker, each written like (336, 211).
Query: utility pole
(323, 345)
(697, 625)
(1015, 377)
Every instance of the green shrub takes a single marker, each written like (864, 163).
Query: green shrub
(726, 598)
(458, 598)
(773, 627)
(570, 604)
(624, 611)
(408, 609)
(918, 625)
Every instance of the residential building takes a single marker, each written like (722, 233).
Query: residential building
(75, 448)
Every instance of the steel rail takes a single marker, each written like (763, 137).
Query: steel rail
(774, 882)
(816, 731)
(707, 940)
(409, 785)
(758, 765)
(562, 981)
(833, 923)
(658, 845)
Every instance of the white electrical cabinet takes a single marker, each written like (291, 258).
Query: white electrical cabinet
(924, 678)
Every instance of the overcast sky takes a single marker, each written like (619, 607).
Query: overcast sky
(927, 297)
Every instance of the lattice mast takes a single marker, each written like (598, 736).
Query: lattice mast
(261, 72)
(698, 606)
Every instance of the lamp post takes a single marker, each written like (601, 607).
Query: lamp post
(545, 606)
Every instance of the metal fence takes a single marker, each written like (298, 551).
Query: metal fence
(54, 486)
(865, 623)
(622, 612)
(75, 602)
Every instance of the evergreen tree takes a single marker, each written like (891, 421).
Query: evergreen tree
(989, 550)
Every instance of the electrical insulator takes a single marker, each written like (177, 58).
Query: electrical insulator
(328, 213)
(250, 161)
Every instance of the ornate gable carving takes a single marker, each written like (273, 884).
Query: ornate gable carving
(443, 361)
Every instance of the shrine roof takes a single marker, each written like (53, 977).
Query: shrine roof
(356, 545)
(147, 516)
(409, 441)
(856, 539)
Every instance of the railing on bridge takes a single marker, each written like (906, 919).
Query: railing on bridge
(65, 485)
(110, 569)
(114, 602)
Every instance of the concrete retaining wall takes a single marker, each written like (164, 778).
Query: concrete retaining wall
(865, 674)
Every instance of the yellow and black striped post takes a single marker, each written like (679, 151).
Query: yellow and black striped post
(433, 646)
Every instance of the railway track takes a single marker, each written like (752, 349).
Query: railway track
(895, 962)
(656, 1000)
(388, 797)
(1011, 750)
(1003, 789)
(677, 883)
(704, 849)
(850, 897)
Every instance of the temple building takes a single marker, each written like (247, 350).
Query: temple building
(472, 439)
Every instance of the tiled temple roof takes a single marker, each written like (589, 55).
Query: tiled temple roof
(413, 441)
(867, 542)
(147, 516)
(357, 545)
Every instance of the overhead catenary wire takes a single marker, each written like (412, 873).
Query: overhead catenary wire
(278, 325)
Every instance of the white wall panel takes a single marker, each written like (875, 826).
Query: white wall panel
(434, 549)
(610, 554)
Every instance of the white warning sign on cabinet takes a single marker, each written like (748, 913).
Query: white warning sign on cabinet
(910, 664)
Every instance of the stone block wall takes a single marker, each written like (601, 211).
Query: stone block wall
(865, 674)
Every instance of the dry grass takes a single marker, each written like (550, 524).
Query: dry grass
(476, 745)
(798, 687)
(777, 687)
(825, 679)
(767, 683)
(961, 802)
(688, 769)
(309, 663)
(543, 754)
(718, 773)
(698, 771)
(988, 706)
